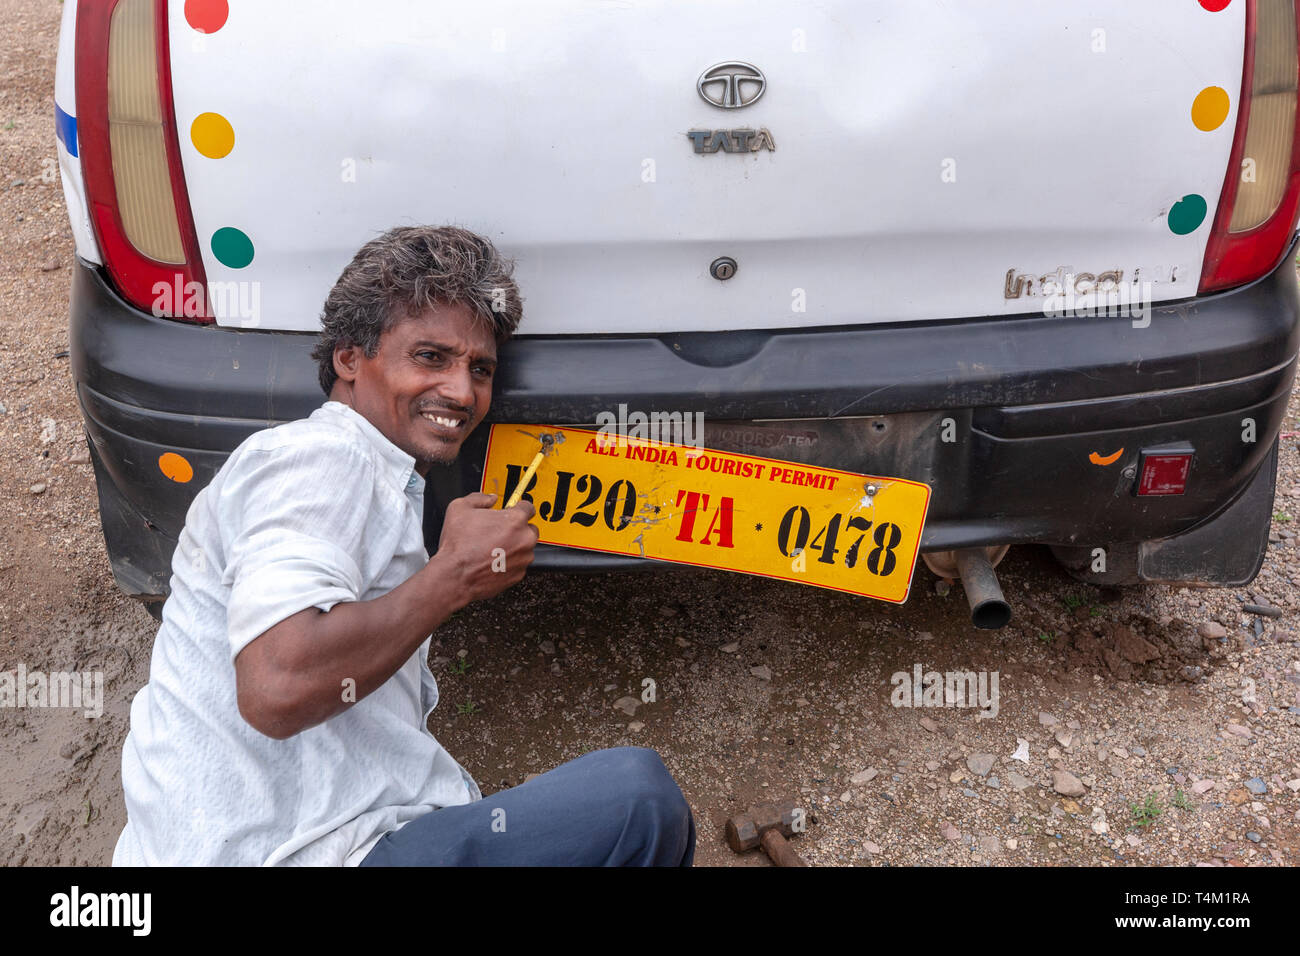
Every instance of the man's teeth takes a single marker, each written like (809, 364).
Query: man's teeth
(447, 422)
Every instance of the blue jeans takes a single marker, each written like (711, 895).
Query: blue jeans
(617, 807)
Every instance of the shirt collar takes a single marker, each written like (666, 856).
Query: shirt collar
(398, 463)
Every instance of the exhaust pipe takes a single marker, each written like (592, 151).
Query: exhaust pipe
(989, 610)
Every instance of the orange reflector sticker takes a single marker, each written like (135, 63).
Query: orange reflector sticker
(175, 467)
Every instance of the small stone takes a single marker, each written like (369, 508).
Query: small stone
(1067, 784)
(547, 647)
(1064, 738)
(635, 726)
(1202, 786)
(929, 725)
(1131, 840)
(1237, 730)
(980, 764)
(949, 832)
(38, 488)
(1053, 753)
(942, 587)
(846, 796)
(609, 687)
(730, 648)
(1019, 781)
(52, 266)
(1293, 785)
(994, 783)
(1098, 824)
(1047, 720)
(1013, 844)
(956, 776)
(683, 642)
(968, 792)
(1074, 725)
(49, 430)
(627, 705)
(863, 776)
(68, 750)
(1212, 631)
(932, 765)
(762, 672)
(1137, 751)
(871, 847)
(1022, 750)
(1121, 752)
(924, 636)
(989, 846)
(1069, 806)
(1256, 785)
(1253, 837)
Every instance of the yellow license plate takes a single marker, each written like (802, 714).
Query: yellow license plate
(717, 509)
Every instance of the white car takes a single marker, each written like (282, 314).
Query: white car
(1038, 256)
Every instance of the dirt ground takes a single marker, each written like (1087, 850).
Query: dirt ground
(1170, 714)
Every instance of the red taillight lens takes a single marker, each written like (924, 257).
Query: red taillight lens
(130, 158)
(1261, 195)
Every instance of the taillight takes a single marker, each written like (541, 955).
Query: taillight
(1261, 195)
(130, 157)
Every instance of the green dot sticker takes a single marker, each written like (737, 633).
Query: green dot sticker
(235, 250)
(1186, 215)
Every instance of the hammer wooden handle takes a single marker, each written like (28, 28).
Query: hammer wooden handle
(779, 850)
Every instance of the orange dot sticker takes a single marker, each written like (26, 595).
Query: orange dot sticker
(212, 134)
(1210, 108)
(206, 16)
(175, 467)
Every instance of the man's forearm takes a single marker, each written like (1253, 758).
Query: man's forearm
(299, 670)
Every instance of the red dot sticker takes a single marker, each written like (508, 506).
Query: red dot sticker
(1214, 6)
(209, 16)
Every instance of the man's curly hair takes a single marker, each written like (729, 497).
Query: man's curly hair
(403, 273)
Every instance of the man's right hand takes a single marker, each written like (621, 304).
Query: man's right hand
(472, 531)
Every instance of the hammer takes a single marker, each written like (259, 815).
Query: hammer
(766, 826)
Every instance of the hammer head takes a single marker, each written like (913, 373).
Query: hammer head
(745, 830)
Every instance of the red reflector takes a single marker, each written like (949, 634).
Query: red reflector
(1164, 472)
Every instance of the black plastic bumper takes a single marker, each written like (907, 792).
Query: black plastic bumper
(998, 415)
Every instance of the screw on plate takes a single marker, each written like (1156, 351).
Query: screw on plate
(870, 490)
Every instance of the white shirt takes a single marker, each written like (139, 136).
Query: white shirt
(310, 513)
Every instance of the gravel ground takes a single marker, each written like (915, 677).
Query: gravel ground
(1153, 726)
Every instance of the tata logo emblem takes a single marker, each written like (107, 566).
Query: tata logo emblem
(731, 85)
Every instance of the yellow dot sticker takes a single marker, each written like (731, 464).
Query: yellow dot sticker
(1210, 108)
(213, 135)
(175, 467)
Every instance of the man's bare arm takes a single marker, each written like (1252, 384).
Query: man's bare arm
(292, 676)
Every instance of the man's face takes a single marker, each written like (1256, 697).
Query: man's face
(429, 384)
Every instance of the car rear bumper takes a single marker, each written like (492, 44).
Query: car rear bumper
(998, 415)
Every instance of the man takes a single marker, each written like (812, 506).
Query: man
(284, 721)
